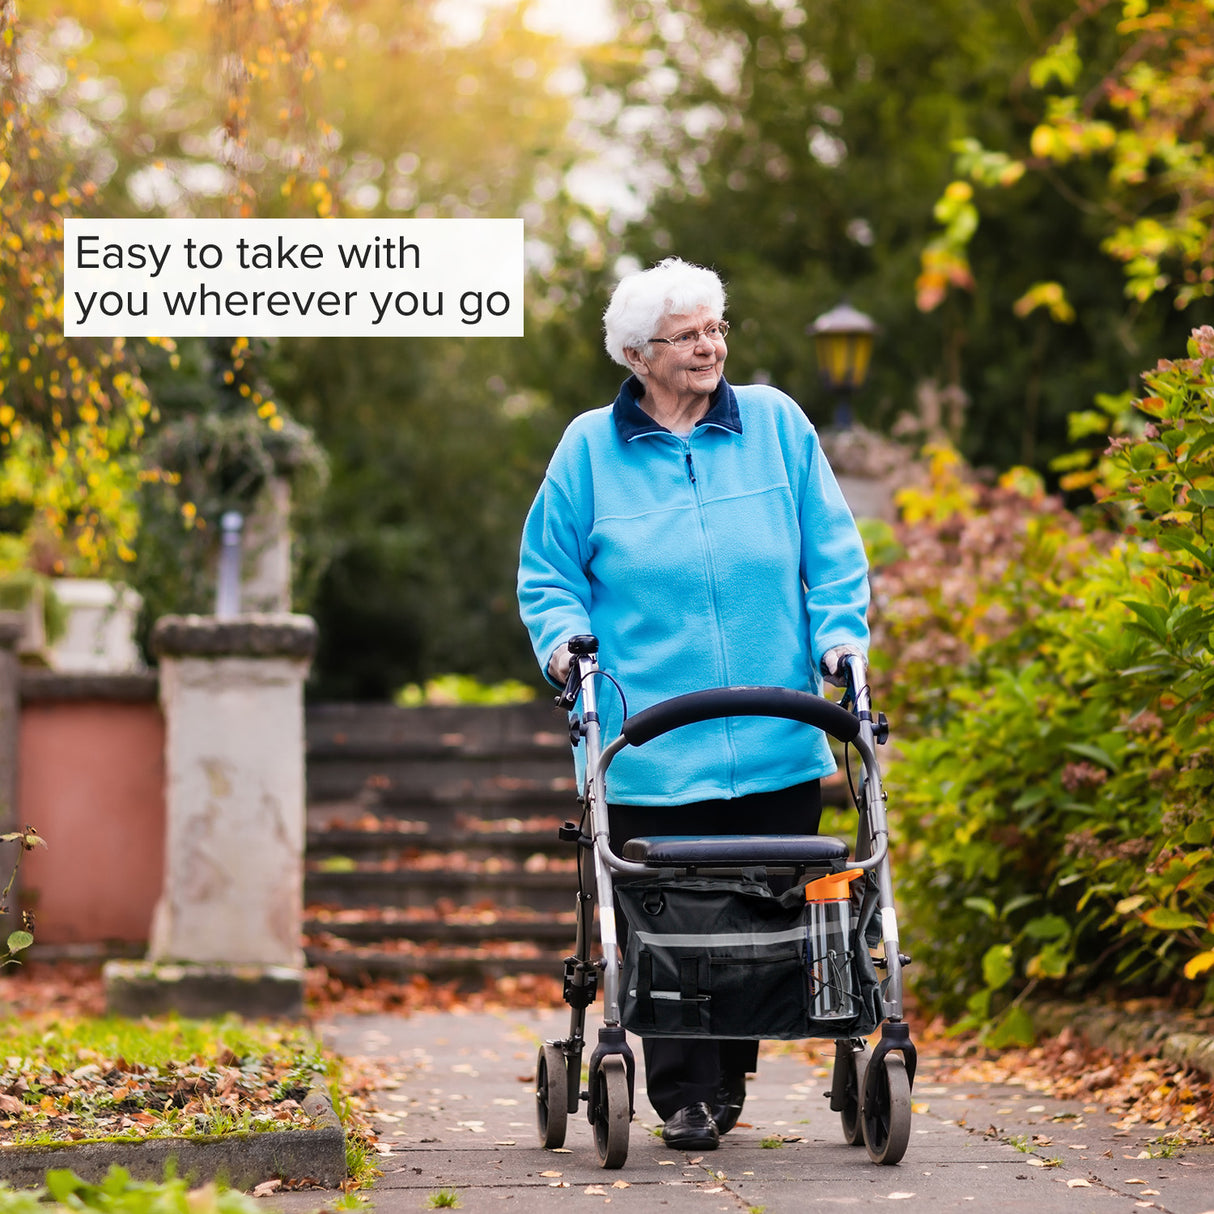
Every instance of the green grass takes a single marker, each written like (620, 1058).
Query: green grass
(444, 1199)
(80, 1080)
(1166, 1147)
(112, 1079)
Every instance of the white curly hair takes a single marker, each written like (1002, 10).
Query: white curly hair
(643, 298)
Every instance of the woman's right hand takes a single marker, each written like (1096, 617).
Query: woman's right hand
(559, 664)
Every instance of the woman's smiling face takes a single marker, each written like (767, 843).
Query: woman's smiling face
(691, 372)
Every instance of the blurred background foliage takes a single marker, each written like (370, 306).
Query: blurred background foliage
(809, 151)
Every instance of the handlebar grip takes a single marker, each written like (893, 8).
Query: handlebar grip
(782, 702)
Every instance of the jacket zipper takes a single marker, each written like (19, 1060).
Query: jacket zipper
(709, 566)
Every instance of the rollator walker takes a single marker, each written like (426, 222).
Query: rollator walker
(715, 946)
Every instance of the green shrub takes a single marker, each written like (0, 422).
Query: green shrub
(1052, 689)
(463, 689)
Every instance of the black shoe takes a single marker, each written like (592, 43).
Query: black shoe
(727, 1107)
(691, 1129)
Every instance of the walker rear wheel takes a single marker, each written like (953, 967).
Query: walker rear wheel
(613, 1111)
(551, 1095)
(851, 1066)
(886, 1109)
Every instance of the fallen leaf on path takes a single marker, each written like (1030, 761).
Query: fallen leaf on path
(1078, 1184)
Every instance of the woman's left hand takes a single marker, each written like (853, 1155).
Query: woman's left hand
(833, 669)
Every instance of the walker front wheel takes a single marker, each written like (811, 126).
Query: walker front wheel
(847, 1086)
(551, 1095)
(886, 1109)
(613, 1111)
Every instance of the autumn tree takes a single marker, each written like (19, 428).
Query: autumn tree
(436, 446)
(351, 108)
(71, 411)
(1121, 107)
(110, 111)
(801, 148)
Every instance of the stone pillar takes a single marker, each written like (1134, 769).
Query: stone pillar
(227, 930)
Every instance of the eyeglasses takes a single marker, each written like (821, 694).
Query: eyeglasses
(685, 341)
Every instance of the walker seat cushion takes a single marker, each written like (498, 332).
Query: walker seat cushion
(679, 851)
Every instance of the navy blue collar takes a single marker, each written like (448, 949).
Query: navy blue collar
(632, 421)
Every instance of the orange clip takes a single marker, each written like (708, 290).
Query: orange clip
(834, 887)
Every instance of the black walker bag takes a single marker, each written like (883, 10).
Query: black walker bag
(728, 958)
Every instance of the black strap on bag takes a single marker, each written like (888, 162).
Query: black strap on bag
(689, 991)
(645, 1013)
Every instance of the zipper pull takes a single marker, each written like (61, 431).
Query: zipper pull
(691, 472)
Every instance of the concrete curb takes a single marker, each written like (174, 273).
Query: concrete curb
(1128, 1032)
(201, 989)
(241, 1160)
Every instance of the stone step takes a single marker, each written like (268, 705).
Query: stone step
(467, 969)
(436, 783)
(361, 886)
(378, 730)
(461, 929)
(406, 802)
(480, 844)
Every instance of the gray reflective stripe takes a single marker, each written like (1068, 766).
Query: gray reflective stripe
(722, 939)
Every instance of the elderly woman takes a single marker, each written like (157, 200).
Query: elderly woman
(696, 529)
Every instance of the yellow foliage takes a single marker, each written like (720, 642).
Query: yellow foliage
(1196, 966)
(947, 492)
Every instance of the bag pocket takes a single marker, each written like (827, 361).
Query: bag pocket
(746, 977)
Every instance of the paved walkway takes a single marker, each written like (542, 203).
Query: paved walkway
(462, 1120)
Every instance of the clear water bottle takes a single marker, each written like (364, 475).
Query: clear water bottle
(828, 940)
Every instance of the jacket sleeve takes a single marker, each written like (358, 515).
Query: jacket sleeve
(834, 567)
(553, 586)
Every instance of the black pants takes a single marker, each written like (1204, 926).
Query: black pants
(680, 1071)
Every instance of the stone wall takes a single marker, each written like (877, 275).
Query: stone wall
(90, 780)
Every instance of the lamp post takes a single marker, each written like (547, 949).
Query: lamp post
(843, 338)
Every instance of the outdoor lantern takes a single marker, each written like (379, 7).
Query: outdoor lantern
(843, 338)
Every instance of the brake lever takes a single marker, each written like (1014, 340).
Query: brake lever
(567, 698)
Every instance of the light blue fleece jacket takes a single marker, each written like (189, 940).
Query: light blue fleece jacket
(726, 558)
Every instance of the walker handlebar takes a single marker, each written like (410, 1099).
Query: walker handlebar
(783, 702)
